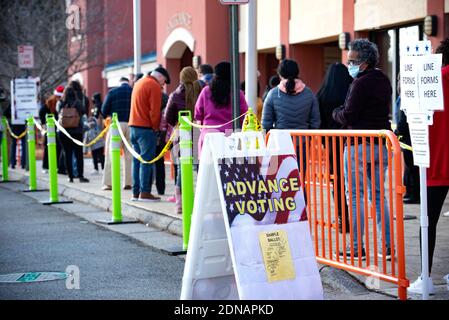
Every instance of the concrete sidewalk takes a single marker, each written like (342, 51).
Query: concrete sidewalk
(161, 216)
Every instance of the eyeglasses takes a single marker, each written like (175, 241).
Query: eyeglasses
(355, 62)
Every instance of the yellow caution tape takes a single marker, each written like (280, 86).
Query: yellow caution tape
(20, 136)
(138, 156)
(81, 144)
(405, 146)
(251, 122)
(170, 141)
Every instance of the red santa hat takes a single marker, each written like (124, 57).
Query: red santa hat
(59, 91)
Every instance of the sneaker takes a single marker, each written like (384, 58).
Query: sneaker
(127, 188)
(135, 197)
(356, 254)
(416, 287)
(171, 199)
(148, 197)
(70, 180)
(44, 171)
(106, 188)
(82, 179)
(387, 253)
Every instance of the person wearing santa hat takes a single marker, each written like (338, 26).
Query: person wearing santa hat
(50, 108)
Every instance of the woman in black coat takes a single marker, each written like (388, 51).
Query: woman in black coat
(71, 100)
(331, 95)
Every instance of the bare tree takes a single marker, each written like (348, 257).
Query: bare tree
(68, 37)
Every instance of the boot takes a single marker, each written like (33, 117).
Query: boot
(178, 203)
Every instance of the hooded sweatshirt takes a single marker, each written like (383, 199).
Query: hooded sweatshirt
(297, 111)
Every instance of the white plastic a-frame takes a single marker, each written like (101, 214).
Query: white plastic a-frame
(225, 263)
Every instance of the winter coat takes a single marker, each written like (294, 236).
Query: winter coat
(297, 111)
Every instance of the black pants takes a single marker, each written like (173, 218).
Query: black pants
(59, 156)
(435, 201)
(98, 158)
(411, 175)
(71, 148)
(160, 172)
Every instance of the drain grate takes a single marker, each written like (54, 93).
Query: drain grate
(32, 277)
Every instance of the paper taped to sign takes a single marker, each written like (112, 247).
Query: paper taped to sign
(419, 134)
(276, 255)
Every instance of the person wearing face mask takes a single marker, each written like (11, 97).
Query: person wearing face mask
(367, 106)
(144, 121)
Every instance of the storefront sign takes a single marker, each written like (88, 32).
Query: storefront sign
(179, 20)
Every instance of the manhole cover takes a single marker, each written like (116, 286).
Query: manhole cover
(32, 277)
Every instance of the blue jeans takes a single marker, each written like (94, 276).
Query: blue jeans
(357, 170)
(144, 142)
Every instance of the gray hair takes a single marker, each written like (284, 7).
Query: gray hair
(367, 51)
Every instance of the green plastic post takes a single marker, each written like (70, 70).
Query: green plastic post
(52, 161)
(115, 172)
(186, 161)
(4, 151)
(31, 154)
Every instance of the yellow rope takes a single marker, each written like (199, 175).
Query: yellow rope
(82, 144)
(170, 141)
(102, 133)
(20, 136)
(138, 156)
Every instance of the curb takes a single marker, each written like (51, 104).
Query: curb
(152, 218)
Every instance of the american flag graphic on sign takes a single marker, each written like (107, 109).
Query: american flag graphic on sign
(262, 190)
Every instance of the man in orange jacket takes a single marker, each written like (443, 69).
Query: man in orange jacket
(144, 122)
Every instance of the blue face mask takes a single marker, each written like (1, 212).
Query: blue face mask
(354, 71)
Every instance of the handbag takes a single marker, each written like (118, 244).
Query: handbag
(69, 117)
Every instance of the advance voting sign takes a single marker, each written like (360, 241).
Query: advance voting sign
(250, 236)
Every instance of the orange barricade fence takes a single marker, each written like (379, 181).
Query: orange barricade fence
(340, 169)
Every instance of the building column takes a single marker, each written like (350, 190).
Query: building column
(436, 8)
(348, 24)
(285, 26)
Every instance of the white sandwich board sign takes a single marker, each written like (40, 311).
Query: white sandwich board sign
(250, 238)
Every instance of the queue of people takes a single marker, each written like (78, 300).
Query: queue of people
(353, 97)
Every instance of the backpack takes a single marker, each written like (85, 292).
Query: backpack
(69, 117)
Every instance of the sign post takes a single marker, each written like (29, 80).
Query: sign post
(421, 94)
(235, 76)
